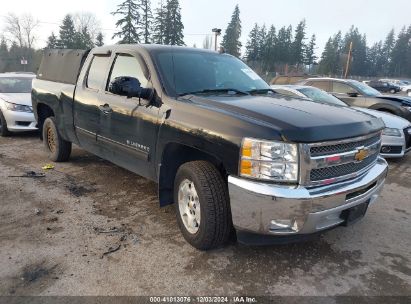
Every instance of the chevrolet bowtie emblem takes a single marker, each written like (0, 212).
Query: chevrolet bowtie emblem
(361, 155)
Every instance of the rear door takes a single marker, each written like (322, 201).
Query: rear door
(129, 128)
(86, 100)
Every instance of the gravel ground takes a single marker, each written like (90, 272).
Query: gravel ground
(57, 234)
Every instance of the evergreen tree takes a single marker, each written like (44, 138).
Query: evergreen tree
(400, 57)
(270, 50)
(359, 52)
(231, 40)
(298, 46)
(159, 27)
(145, 25)
(284, 41)
(387, 51)
(173, 34)
(99, 39)
(252, 52)
(67, 33)
(4, 55)
(83, 39)
(309, 54)
(128, 22)
(52, 41)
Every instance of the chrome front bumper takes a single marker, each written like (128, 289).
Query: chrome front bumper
(261, 208)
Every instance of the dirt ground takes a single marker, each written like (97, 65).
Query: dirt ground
(56, 234)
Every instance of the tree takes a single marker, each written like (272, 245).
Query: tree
(387, 48)
(252, 52)
(52, 41)
(87, 20)
(67, 33)
(21, 29)
(270, 50)
(359, 65)
(298, 46)
(4, 55)
(309, 54)
(83, 40)
(400, 57)
(159, 24)
(99, 39)
(129, 15)
(173, 33)
(145, 25)
(231, 40)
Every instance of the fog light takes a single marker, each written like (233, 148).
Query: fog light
(386, 149)
(284, 225)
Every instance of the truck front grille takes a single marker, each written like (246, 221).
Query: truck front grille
(332, 162)
(344, 147)
(341, 170)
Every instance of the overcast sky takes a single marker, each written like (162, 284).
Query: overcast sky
(324, 17)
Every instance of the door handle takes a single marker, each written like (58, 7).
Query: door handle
(105, 109)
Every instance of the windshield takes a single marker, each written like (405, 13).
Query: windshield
(15, 85)
(365, 89)
(189, 72)
(318, 95)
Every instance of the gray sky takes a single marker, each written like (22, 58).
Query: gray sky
(324, 17)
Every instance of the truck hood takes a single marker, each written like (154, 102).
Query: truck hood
(17, 98)
(296, 120)
(390, 120)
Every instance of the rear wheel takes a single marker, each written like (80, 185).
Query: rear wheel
(4, 131)
(58, 149)
(202, 205)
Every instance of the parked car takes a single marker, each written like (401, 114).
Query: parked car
(16, 112)
(223, 147)
(407, 89)
(396, 137)
(384, 86)
(400, 83)
(358, 94)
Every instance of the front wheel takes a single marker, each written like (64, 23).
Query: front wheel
(58, 149)
(4, 131)
(392, 91)
(202, 205)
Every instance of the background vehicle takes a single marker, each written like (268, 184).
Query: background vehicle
(16, 112)
(215, 137)
(400, 83)
(384, 86)
(396, 137)
(289, 79)
(361, 95)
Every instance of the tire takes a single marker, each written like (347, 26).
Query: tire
(209, 190)
(4, 132)
(58, 149)
(392, 91)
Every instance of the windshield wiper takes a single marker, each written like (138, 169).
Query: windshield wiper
(261, 91)
(207, 91)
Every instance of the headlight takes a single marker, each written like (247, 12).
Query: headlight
(391, 132)
(18, 108)
(269, 160)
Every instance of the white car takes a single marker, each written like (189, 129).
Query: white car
(407, 89)
(396, 137)
(16, 112)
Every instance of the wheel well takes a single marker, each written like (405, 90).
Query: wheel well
(174, 155)
(43, 112)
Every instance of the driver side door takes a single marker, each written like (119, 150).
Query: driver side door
(347, 93)
(128, 126)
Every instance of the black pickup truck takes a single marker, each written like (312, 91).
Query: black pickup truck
(232, 154)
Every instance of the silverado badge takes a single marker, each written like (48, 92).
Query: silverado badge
(361, 155)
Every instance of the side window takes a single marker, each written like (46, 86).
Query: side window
(286, 92)
(342, 88)
(129, 66)
(323, 85)
(97, 72)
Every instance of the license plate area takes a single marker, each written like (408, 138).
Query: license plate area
(354, 214)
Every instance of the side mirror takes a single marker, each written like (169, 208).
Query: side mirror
(130, 87)
(352, 94)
